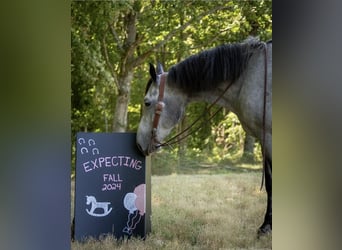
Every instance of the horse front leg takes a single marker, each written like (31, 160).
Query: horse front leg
(266, 227)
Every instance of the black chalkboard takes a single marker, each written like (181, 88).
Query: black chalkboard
(112, 187)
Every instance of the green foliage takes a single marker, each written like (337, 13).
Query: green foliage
(92, 84)
(229, 137)
(166, 31)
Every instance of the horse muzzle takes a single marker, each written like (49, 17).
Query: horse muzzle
(151, 148)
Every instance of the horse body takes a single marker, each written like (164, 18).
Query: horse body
(239, 70)
(245, 97)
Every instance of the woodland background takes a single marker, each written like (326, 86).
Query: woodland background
(112, 44)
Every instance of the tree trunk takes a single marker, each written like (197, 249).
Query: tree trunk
(248, 148)
(126, 74)
(121, 107)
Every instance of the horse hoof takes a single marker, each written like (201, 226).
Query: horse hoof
(264, 230)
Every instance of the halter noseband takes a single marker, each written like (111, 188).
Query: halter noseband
(159, 107)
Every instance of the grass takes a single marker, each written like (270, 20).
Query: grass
(201, 211)
(165, 163)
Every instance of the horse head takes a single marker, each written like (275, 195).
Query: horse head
(163, 108)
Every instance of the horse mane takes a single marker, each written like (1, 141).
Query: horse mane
(206, 70)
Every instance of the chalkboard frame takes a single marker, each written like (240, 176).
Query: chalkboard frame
(102, 158)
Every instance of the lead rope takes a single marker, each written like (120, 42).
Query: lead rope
(264, 122)
(174, 139)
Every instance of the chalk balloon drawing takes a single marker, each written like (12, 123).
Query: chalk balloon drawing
(134, 202)
(129, 202)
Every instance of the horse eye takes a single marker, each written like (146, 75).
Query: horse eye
(147, 103)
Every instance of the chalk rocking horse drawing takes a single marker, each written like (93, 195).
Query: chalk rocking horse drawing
(235, 76)
(97, 205)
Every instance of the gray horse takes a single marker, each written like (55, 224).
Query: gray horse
(235, 76)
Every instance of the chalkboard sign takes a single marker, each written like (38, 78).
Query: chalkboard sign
(112, 187)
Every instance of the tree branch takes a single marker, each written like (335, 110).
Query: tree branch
(143, 56)
(116, 37)
(110, 66)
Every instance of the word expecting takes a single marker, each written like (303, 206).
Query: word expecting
(112, 161)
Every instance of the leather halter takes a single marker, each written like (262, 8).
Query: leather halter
(264, 119)
(159, 107)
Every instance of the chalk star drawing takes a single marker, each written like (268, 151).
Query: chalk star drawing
(94, 205)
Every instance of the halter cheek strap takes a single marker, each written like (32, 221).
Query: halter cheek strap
(159, 107)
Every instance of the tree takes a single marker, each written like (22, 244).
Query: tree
(248, 148)
(121, 29)
(113, 42)
(91, 82)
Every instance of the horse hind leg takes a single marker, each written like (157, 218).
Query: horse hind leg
(266, 227)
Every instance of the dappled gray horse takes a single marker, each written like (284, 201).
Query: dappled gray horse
(235, 76)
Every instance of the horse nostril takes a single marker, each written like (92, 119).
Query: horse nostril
(140, 148)
(144, 152)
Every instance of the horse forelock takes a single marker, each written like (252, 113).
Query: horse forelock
(206, 70)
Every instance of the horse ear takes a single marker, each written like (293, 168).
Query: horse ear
(153, 73)
(160, 69)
